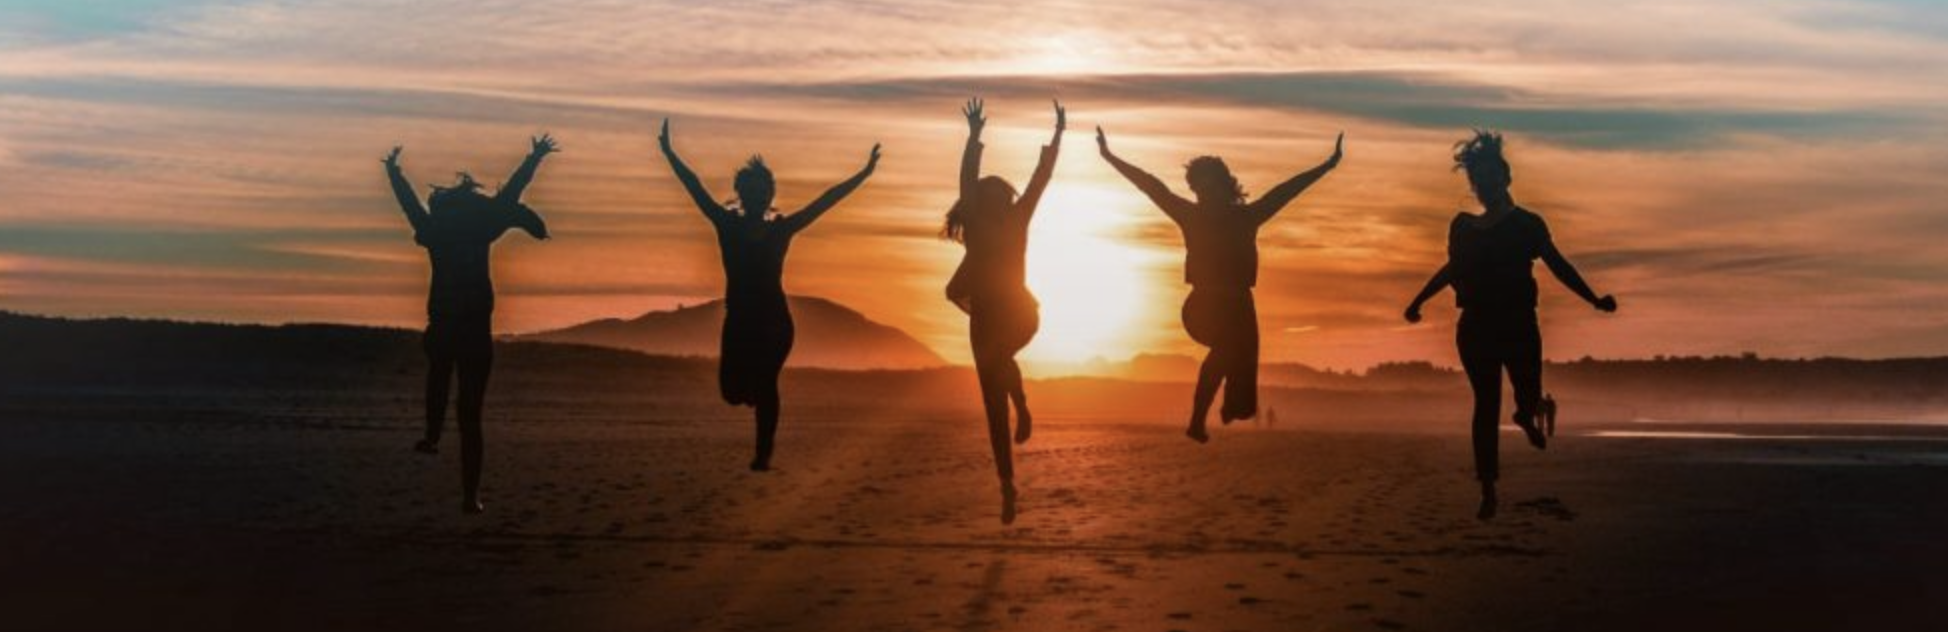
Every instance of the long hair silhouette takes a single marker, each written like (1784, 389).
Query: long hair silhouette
(1490, 265)
(458, 233)
(1221, 265)
(991, 285)
(753, 240)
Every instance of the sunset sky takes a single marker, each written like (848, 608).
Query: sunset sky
(1767, 176)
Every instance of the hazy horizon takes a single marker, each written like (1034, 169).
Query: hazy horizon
(1746, 177)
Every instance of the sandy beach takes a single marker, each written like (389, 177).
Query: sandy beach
(320, 519)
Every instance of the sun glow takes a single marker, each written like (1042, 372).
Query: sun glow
(1090, 282)
(1069, 54)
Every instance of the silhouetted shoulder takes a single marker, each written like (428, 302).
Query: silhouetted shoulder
(1462, 221)
(1526, 215)
(1532, 222)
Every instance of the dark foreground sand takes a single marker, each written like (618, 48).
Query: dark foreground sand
(183, 520)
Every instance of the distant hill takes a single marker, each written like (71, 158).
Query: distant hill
(830, 336)
(56, 368)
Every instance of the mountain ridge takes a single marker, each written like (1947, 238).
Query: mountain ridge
(830, 335)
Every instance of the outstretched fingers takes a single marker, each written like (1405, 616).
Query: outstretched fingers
(392, 158)
(543, 145)
(976, 113)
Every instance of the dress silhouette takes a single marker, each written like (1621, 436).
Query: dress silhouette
(753, 240)
(991, 286)
(1490, 265)
(458, 234)
(1221, 265)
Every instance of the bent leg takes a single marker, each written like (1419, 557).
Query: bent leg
(734, 366)
(1241, 365)
(1011, 378)
(1525, 369)
(1210, 375)
(766, 401)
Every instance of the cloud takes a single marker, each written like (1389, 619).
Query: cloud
(1745, 174)
(1418, 99)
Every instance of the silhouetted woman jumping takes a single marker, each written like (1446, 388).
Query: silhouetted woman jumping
(753, 239)
(1490, 261)
(991, 285)
(459, 235)
(1221, 266)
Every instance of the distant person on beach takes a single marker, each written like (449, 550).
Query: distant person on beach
(458, 234)
(991, 285)
(753, 239)
(1490, 259)
(1221, 265)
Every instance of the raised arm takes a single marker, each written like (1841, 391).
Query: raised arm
(1275, 200)
(708, 205)
(525, 218)
(803, 218)
(970, 158)
(1435, 284)
(1045, 168)
(1158, 193)
(1570, 278)
(403, 190)
(540, 147)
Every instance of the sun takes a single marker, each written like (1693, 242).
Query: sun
(1089, 280)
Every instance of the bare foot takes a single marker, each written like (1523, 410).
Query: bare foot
(1196, 433)
(760, 465)
(1008, 503)
(1487, 510)
(426, 446)
(1024, 425)
(472, 506)
(1229, 415)
(1536, 438)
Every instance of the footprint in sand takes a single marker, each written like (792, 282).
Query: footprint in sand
(1548, 506)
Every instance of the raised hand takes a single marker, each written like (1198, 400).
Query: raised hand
(392, 159)
(663, 137)
(1413, 314)
(1338, 150)
(872, 162)
(1607, 304)
(543, 145)
(1061, 117)
(976, 114)
(1102, 142)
